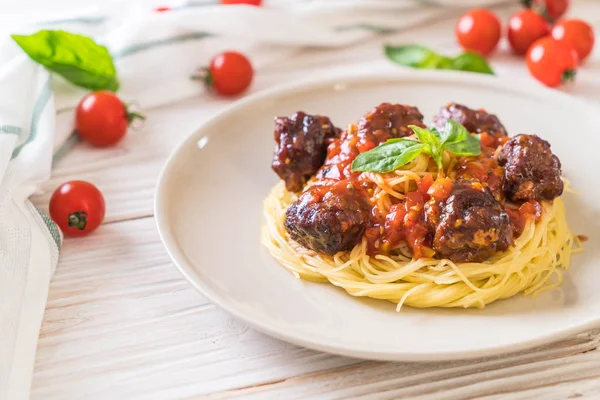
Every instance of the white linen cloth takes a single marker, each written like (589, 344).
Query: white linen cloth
(155, 54)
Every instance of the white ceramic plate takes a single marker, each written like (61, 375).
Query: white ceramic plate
(209, 214)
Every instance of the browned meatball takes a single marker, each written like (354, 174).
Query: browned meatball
(301, 147)
(531, 171)
(470, 225)
(389, 121)
(476, 121)
(328, 218)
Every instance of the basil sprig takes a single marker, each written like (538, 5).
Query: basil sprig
(77, 58)
(416, 56)
(395, 153)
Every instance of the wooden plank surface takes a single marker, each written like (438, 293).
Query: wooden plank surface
(121, 322)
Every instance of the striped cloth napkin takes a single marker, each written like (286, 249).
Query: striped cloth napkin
(155, 54)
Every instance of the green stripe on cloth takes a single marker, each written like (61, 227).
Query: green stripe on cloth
(52, 228)
(128, 51)
(38, 108)
(10, 129)
(65, 148)
(366, 27)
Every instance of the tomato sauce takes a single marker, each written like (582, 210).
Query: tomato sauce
(340, 154)
(529, 211)
(405, 220)
(485, 169)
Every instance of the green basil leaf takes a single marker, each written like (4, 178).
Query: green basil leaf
(397, 152)
(417, 56)
(471, 62)
(388, 157)
(431, 138)
(436, 61)
(77, 58)
(411, 55)
(458, 140)
(436, 133)
(471, 146)
(426, 136)
(454, 132)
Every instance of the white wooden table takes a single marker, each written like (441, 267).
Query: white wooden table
(122, 323)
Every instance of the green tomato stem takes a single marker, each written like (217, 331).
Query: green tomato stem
(568, 76)
(78, 220)
(132, 116)
(203, 75)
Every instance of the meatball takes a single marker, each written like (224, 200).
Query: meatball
(470, 225)
(476, 121)
(389, 121)
(531, 171)
(301, 147)
(328, 218)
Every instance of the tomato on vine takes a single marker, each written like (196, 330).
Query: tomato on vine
(524, 28)
(577, 33)
(552, 62)
(229, 73)
(478, 30)
(77, 207)
(551, 9)
(102, 119)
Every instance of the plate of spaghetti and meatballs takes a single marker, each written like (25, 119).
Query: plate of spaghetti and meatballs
(458, 214)
(413, 216)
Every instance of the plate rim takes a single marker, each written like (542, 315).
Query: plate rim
(331, 79)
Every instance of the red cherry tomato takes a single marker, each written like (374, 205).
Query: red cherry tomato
(556, 8)
(230, 73)
(551, 9)
(250, 2)
(77, 207)
(478, 30)
(102, 119)
(577, 33)
(524, 28)
(552, 62)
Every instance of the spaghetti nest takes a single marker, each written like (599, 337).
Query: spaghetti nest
(531, 265)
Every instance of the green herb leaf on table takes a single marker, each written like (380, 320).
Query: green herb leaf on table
(472, 62)
(411, 55)
(417, 56)
(75, 57)
(396, 153)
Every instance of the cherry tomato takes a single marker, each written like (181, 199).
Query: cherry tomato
(229, 73)
(577, 33)
(551, 9)
(250, 2)
(77, 207)
(524, 28)
(552, 62)
(556, 8)
(478, 30)
(102, 119)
